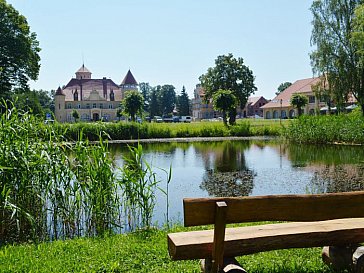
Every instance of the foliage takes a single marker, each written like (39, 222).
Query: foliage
(327, 129)
(183, 103)
(336, 57)
(133, 103)
(145, 89)
(142, 251)
(224, 101)
(167, 99)
(19, 57)
(154, 107)
(28, 101)
(299, 101)
(283, 86)
(75, 115)
(229, 74)
(51, 189)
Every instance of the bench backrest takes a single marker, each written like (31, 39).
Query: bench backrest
(315, 207)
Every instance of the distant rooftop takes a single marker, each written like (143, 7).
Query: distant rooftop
(129, 79)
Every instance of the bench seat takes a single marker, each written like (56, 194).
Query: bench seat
(251, 239)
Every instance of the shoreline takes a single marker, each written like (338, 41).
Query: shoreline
(189, 139)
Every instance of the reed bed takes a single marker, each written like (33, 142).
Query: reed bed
(344, 128)
(51, 189)
(131, 130)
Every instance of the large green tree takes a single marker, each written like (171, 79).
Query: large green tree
(183, 103)
(283, 86)
(224, 101)
(298, 101)
(167, 98)
(133, 103)
(154, 108)
(336, 57)
(231, 74)
(19, 51)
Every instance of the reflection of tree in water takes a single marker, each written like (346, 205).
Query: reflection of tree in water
(339, 178)
(234, 183)
(229, 175)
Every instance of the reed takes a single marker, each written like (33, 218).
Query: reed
(52, 189)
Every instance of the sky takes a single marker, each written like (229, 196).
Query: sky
(170, 41)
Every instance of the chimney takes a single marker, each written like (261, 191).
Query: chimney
(104, 86)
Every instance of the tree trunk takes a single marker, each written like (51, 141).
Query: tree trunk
(362, 109)
(224, 117)
(232, 116)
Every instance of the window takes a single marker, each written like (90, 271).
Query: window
(59, 106)
(79, 106)
(69, 106)
(311, 99)
(110, 106)
(75, 96)
(87, 106)
(101, 106)
(94, 105)
(112, 96)
(283, 114)
(267, 115)
(275, 114)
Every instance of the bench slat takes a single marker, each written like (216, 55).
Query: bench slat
(252, 239)
(315, 207)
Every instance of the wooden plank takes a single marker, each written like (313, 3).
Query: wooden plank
(219, 236)
(252, 239)
(318, 207)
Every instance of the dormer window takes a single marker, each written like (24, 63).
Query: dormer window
(75, 96)
(112, 96)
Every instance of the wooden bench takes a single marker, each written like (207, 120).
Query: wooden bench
(319, 220)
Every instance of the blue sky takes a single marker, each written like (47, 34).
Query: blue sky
(170, 42)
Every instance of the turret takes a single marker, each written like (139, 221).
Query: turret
(128, 83)
(59, 105)
(83, 73)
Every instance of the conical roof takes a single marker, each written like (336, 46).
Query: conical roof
(59, 92)
(129, 79)
(83, 69)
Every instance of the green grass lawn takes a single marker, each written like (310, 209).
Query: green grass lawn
(143, 251)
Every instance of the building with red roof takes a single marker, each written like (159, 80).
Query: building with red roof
(93, 99)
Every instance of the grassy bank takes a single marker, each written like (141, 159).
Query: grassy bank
(327, 129)
(129, 130)
(143, 251)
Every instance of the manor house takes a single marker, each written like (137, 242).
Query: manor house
(93, 99)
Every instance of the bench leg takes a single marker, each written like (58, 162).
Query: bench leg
(339, 257)
(230, 265)
(358, 260)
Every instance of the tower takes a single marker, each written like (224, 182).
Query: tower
(59, 107)
(128, 83)
(83, 73)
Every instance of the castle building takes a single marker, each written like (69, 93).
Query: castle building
(93, 99)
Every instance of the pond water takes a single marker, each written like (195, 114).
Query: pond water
(249, 168)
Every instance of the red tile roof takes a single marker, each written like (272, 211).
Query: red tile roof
(300, 86)
(129, 79)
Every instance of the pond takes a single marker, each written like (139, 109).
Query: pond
(249, 167)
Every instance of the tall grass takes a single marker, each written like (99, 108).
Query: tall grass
(327, 129)
(131, 130)
(51, 189)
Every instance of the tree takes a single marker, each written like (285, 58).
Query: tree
(119, 113)
(229, 74)
(75, 115)
(183, 103)
(283, 86)
(154, 109)
(298, 101)
(27, 101)
(224, 101)
(133, 103)
(19, 51)
(167, 99)
(145, 89)
(336, 57)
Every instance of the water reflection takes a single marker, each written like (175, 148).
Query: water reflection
(227, 174)
(335, 168)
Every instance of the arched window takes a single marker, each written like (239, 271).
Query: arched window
(291, 114)
(283, 114)
(112, 96)
(275, 114)
(75, 96)
(267, 115)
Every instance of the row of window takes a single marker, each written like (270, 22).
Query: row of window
(112, 96)
(88, 106)
(283, 114)
(87, 117)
